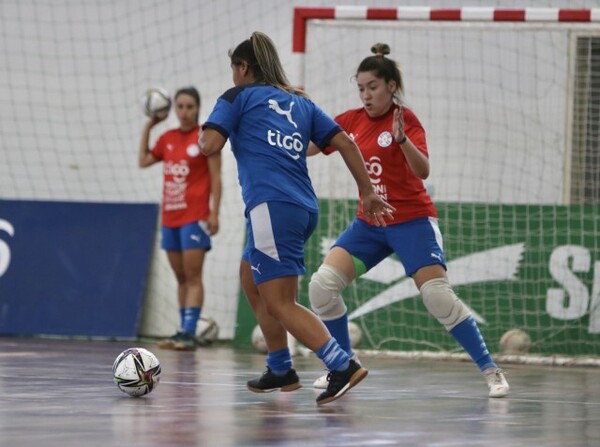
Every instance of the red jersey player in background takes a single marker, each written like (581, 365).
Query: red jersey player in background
(392, 142)
(189, 219)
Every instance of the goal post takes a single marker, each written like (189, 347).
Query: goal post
(509, 101)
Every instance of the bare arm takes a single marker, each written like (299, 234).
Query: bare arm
(418, 162)
(374, 207)
(214, 168)
(211, 141)
(313, 149)
(145, 157)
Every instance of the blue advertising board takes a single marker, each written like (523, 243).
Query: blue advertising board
(74, 269)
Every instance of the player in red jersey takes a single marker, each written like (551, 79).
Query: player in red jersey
(393, 144)
(189, 219)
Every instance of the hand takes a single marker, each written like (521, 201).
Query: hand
(157, 118)
(212, 225)
(398, 125)
(375, 208)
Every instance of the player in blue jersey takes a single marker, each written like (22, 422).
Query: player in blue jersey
(270, 124)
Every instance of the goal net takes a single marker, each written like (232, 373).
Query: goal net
(512, 116)
(73, 76)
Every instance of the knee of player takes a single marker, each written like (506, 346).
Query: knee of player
(275, 310)
(441, 302)
(324, 291)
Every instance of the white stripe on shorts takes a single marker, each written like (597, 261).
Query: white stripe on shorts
(264, 239)
(436, 230)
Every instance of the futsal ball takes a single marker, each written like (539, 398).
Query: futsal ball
(515, 341)
(207, 329)
(136, 371)
(355, 334)
(258, 340)
(156, 102)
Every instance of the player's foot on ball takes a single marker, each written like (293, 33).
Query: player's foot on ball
(341, 381)
(169, 343)
(271, 382)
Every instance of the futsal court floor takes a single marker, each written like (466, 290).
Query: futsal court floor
(57, 393)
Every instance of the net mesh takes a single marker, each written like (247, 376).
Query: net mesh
(507, 109)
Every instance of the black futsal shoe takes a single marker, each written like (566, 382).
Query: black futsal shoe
(270, 382)
(341, 381)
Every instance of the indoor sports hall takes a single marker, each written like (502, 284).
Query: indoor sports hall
(508, 93)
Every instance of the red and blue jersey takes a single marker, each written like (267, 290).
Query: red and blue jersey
(388, 169)
(186, 178)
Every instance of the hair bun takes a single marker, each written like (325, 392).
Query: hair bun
(380, 49)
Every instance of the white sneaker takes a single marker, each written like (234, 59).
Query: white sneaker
(322, 382)
(496, 382)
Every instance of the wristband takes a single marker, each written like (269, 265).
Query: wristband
(403, 140)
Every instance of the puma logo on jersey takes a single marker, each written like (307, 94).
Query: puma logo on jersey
(274, 105)
(255, 268)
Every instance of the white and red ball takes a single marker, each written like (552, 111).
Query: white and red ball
(136, 371)
(156, 102)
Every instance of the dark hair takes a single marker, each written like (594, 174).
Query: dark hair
(383, 67)
(193, 92)
(260, 53)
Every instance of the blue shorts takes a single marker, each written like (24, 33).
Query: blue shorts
(277, 232)
(417, 243)
(186, 237)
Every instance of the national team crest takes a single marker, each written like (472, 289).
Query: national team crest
(385, 139)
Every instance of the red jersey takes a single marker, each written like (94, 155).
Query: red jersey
(388, 169)
(186, 183)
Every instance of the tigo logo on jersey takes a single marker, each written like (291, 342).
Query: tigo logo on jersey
(179, 171)
(292, 144)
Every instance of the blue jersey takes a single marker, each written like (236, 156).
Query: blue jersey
(269, 130)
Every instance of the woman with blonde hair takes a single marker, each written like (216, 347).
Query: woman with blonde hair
(270, 125)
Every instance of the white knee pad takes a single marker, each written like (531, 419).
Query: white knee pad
(324, 293)
(441, 302)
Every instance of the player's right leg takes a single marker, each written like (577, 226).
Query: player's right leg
(195, 243)
(170, 242)
(279, 296)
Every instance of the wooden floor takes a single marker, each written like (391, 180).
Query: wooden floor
(57, 393)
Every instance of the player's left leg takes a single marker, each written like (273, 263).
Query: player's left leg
(280, 373)
(359, 247)
(422, 255)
